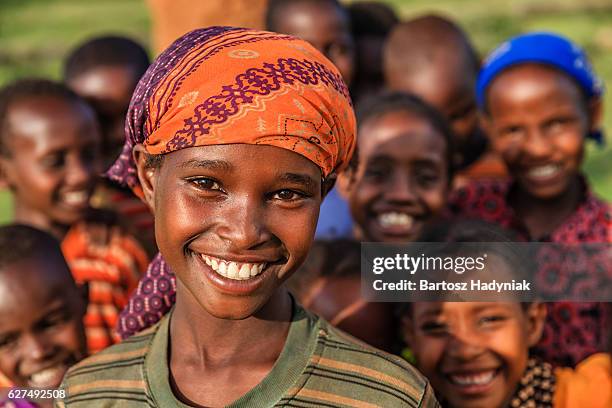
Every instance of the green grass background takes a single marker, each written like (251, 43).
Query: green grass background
(35, 35)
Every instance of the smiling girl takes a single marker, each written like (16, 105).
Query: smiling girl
(234, 137)
(480, 354)
(540, 100)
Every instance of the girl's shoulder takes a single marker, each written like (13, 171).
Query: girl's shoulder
(591, 222)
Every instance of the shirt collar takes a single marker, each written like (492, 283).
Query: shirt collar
(295, 356)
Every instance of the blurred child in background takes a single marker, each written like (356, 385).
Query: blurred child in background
(49, 160)
(404, 170)
(371, 23)
(41, 312)
(433, 58)
(329, 284)
(105, 71)
(540, 101)
(478, 354)
(399, 182)
(325, 24)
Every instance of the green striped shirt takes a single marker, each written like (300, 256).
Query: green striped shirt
(319, 366)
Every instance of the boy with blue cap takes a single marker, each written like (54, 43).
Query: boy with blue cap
(539, 99)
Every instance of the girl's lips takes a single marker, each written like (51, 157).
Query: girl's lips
(235, 286)
(49, 377)
(234, 270)
(543, 174)
(394, 223)
(475, 382)
(77, 200)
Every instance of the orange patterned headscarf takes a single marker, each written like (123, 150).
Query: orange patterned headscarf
(225, 85)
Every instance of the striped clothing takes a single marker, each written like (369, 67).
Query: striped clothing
(318, 367)
(111, 268)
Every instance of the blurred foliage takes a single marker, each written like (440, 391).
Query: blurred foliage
(35, 35)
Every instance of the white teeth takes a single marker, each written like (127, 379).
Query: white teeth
(473, 379)
(395, 219)
(48, 375)
(222, 268)
(547, 170)
(255, 269)
(234, 270)
(76, 197)
(245, 271)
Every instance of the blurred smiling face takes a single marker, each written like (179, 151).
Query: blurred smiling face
(231, 225)
(41, 328)
(52, 163)
(474, 353)
(538, 119)
(402, 179)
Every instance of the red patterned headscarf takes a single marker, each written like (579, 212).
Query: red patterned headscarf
(225, 85)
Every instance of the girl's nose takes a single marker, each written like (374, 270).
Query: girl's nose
(464, 344)
(242, 224)
(536, 144)
(35, 347)
(80, 172)
(400, 188)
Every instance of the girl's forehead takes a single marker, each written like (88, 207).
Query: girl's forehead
(49, 120)
(533, 76)
(240, 156)
(399, 129)
(425, 309)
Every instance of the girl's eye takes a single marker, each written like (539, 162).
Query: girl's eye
(557, 125)
(376, 172)
(512, 131)
(206, 184)
(434, 328)
(287, 195)
(8, 340)
(53, 161)
(55, 319)
(492, 319)
(427, 179)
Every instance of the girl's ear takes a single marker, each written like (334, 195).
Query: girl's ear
(595, 113)
(484, 122)
(345, 181)
(328, 184)
(6, 173)
(536, 316)
(407, 329)
(146, 175)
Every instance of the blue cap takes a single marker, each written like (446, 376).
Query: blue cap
(545, 48)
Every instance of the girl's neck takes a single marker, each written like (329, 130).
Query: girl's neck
(26, 216)
(203, 340)
(542, 217)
